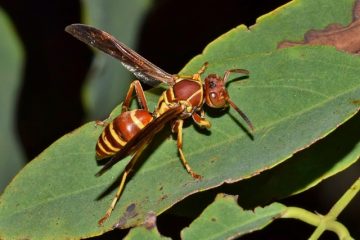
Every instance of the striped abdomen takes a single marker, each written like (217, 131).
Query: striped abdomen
(183, 90)
(117, 133)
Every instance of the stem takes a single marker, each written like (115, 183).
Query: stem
(327, 222)
(344, 200)
(334, 213)
(321, 222)
(333, 226)
(302, 215)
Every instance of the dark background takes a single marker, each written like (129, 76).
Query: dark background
(49, 103)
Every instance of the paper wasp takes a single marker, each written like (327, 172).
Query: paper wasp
(131, 131)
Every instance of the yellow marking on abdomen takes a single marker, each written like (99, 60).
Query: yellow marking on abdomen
(115, 135)
(107, 143)
(103, 149)
(136, 120)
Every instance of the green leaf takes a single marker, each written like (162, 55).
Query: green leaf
(325, 158)
(294, 97)
(11, 60)
(146, 231)
(289, 22)
(225, 219)
(305, 169)
(67, 192)
(107, 79)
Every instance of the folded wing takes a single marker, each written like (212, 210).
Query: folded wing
(143, 69)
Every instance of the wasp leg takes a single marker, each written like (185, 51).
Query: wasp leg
(100, 123)
(200, 120)
(197, 75)
(126, 104)
(139, 94)
(115, 199)
(126, 172)
(177, 128)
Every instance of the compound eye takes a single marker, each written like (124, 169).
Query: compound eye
(212, 84)
(214, 99)
(213, 95)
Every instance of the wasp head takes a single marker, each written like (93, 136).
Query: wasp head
(215, 92)
(216, 95)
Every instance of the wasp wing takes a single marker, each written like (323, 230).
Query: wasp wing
(143, 138)
(146, 71)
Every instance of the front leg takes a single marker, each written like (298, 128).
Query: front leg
(197, 75)
(177, 128)
(200, 120)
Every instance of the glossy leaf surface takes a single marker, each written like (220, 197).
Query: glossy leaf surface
(225, 219)
(294, 97)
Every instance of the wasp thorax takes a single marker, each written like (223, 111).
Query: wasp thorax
(215, 92)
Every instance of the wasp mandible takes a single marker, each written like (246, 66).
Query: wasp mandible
(131, 131)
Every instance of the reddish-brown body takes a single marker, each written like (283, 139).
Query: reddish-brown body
(187, 91)
(121, 130)
(131, 131)
(128, 124)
